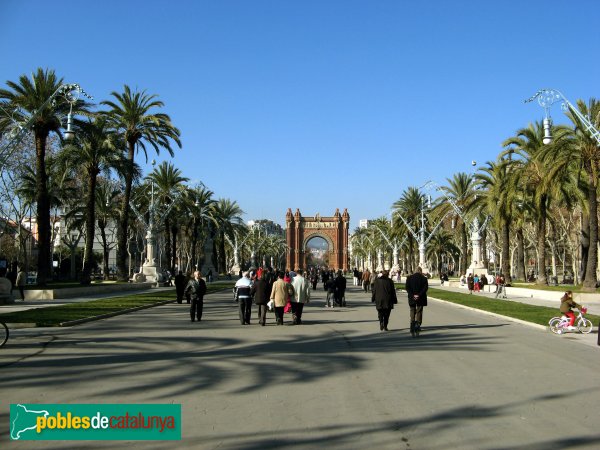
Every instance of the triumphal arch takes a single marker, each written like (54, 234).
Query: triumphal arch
(300, 230)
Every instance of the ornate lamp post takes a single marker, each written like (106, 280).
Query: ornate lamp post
(71, 92)
(475, 229)
(546, 98)
(420, 236)
(150, 270)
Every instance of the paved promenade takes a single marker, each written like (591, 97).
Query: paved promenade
(471, 381)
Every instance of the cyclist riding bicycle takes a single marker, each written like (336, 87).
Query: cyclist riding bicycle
(566, 303)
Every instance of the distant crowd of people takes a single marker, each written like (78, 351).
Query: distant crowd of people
(288, 291)
(476, 283)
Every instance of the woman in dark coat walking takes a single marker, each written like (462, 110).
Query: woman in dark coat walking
(260, 292)
(384, 297)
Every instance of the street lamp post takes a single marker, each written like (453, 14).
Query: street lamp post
(475, 230)
(151, 270)
(70, 91)
(420, 236)
(546, 98)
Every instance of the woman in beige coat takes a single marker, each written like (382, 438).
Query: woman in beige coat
(279, 294)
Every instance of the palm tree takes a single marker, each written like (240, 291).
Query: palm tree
(106, 196)
(23, 99)
(228, 216)
(409, 207)
(131, 115)
(583, 152)
(461, 190)
(95, 150)
(441, 244)
(200, 204)
(538, 178)
(498, 196)
(169, 183)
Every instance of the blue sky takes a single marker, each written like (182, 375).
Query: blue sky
(324, 104)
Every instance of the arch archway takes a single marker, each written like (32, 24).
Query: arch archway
(334, 230)
(318, 250)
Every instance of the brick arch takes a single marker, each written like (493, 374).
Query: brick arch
(300, 229)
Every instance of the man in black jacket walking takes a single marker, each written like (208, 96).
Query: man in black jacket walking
(416, 287)
(384, 296)
(196, 288)
(340, 289)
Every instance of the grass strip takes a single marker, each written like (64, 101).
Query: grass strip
(53, 316)
(523, 311)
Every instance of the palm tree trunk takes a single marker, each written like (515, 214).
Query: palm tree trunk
(90, 228)
(590, 280)
(105, 251)
(221, 260)
(541, 242)
(585, 243)
(43, 210)
(520, 255)
(122, 272)
(506, 251)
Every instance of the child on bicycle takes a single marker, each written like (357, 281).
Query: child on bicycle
(566, 303)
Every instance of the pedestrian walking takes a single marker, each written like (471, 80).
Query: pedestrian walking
(384, 296)
(243, 297)
(180, 283)
(330, 286)
(314, 279)
(366, 280)
(21, 281)
(501, 286)
(470, 283)
(325, 279)
(279, 294)
(340, 289)
(300, 298)
(196, 288)
(260, 292)
(416, 288)
(374, 276)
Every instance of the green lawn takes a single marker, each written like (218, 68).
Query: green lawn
(529, 313)
(53, 316)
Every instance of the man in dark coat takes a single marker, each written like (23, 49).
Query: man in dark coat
(340, 289)
(383, 294)
(324, 278)
(261, 293)
(196, 288)
(416, 287)
(180, 282)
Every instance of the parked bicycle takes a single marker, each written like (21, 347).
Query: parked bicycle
(3, 334)
(560, 325)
